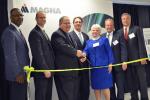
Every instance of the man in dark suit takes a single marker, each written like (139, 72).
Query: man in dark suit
(136, 75)
(80, 38)
(66, 56)
(15, 56)
(42, 58)
(118, 46)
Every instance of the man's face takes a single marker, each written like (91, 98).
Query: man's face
(65, 25)
(77, 24)
(41, 19)
(109, 26)
(126, 20)
(17, 17)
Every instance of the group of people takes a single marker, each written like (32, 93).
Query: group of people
(73, 50)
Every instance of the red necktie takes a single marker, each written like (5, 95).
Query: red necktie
(125, 33)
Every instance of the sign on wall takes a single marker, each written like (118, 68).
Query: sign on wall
(54, 9)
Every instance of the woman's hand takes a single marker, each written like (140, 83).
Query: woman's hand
(109, 68)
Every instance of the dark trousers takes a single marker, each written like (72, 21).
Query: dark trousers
(84, 86)
(67, 87)
(118, 78)
(17, 91)
(43, 88)
(139, 76)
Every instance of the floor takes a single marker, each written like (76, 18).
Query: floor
(55, 97)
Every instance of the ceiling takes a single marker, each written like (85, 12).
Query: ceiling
(136, 2)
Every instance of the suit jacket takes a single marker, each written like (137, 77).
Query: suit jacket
(42, 51)
(65, 52)
(119, 49)
(80, 46)
(135, 43)
(15, 53)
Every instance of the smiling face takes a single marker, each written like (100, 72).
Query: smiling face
(41, 18)
(109, 25)
(126, 20)
(65, 24)
(77, 23)
(16, 17)
(95, 30)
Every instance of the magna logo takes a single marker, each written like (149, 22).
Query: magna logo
(26, 9)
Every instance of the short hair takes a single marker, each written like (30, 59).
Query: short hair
(125, 14)
(79, 18)
(109, 19)
(38, 13)
(14, 9)
(61, 19)
(96, 26)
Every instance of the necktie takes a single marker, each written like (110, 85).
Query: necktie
(125, 33)
(22, 35)
(23, 38)
(80, 38)
(108, 36)
(45, 35)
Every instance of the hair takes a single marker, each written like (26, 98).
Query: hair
(125, 14)
(14, 9)
(79, 18)
(61, 19)
(96, 25)
(109, 19)
(38, 13)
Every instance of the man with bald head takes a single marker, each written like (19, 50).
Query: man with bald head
(66, 57)
(16, 56)
(42, 58)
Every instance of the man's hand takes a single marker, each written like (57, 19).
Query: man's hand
(20, 79)
(47, 74)
(124, 66)
(83, 59)
(143, 62)
(79, 53)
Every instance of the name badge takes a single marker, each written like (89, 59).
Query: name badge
(132, 35)
(115, 42)
(96, 44)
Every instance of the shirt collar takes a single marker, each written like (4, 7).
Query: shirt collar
(110, 34)
(42, 28)
(77, 32)
(96, 38)
(15, 26)
(125, 27)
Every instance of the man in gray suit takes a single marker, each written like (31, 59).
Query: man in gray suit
(136, 75)
(15, 56)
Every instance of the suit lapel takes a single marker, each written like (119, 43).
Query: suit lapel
(77, 39)
(18, 35)
(113, 39)
(40, 32)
